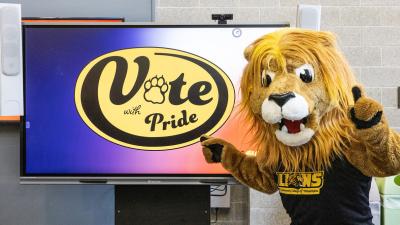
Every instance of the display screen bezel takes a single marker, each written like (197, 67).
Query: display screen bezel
(67, 178)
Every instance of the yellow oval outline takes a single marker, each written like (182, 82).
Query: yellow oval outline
(217, 126)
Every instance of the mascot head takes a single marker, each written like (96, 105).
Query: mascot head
(296, 91)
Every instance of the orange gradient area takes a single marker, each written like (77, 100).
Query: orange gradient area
(238, 132)
(9, 118)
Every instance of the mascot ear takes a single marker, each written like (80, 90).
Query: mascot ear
(326, 38)
(248, 51)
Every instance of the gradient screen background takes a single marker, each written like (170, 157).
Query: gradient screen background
(58, 142)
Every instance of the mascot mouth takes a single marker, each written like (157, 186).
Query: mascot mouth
(293, 126)
(294, 132)
(291, 118)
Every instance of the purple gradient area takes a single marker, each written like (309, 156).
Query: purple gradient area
(57, 140)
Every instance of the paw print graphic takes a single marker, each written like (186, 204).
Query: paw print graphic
(155, 89)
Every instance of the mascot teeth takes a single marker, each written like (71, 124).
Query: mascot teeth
(292, 126)
(290, 111)
(294, 139)
(294, 132)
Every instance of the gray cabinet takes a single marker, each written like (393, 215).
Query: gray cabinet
(131, 10)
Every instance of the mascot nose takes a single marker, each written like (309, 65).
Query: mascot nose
(281, 99)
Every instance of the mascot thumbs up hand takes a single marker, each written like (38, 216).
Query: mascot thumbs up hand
(320, 140)
(377, 153)
(366, 112)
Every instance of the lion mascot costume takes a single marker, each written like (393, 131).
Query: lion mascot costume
(319, 138)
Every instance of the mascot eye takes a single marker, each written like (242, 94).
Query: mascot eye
(305, 72)
(266, 78)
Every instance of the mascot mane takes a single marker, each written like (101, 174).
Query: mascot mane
(334, 131)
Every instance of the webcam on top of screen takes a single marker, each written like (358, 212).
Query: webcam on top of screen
(222, 18)
(11, 81)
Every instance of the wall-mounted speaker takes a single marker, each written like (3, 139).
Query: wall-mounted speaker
(309, 16)
(11, 80)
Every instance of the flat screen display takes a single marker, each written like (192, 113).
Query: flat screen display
(126, 100)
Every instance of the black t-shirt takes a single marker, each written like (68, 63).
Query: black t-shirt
(337, 196)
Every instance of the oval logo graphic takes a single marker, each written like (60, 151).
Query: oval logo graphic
(153, 98)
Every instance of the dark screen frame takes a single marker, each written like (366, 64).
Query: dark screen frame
(51, 176)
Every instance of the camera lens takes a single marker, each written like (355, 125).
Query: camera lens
(237, 32)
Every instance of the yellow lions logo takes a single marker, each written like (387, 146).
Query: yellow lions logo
(300, 183)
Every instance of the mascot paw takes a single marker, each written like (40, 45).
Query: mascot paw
(212, 148)
(366, 112)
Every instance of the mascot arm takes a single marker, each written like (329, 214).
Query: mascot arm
(382, 144)
(243, 167)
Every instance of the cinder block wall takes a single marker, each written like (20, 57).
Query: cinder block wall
(368, 32)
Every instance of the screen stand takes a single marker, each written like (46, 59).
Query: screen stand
(162, 204)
